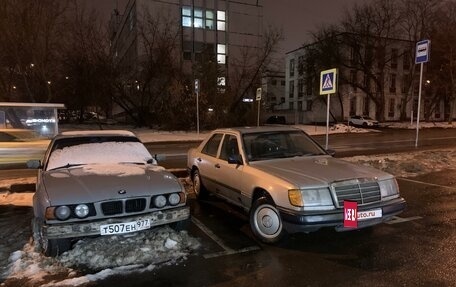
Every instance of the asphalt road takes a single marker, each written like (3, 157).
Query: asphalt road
(416, 249)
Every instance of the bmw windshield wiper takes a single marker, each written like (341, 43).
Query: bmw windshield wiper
(68, 165)
(132, 162)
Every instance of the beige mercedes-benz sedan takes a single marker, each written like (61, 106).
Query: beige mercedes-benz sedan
(288, 182)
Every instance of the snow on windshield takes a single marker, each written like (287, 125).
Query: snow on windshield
(106, 152)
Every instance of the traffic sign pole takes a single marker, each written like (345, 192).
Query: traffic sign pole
(328, 86)
(197, 106)
(327, 122)
(422, 55)
(258, 100)
(419, 106)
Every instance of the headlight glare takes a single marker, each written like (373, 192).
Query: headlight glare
(295, 197)
(62, 212)
(174, 198)
(389, 188)
(81, 210)
(159, 201)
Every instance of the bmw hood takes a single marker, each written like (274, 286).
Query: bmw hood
(317, 171)
(93, 183)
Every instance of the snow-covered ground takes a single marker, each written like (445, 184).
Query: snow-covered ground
(144, 251)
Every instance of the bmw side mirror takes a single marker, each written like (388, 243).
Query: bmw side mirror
(34, 164)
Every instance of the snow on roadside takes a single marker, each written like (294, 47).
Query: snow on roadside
(410, 164)
(105, 255)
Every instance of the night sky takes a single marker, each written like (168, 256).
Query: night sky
(295, 17)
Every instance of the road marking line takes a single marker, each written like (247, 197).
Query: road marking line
(211, 234)
(397, 219)
(232, 252)
(426, 183)
(227, 250)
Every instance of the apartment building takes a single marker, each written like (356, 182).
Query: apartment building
(226, 28)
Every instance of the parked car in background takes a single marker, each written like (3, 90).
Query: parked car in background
(289, 183)
(105, 183)
(362, 121)
(276, 120)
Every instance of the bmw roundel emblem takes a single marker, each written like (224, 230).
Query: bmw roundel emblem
(122, 191)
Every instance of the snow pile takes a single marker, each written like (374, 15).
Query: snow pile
(105, 255)
(17, 199)
(410, 164)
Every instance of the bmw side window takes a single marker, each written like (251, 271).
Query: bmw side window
(212, 145)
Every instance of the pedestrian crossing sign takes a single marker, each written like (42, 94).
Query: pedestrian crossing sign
(328, 82)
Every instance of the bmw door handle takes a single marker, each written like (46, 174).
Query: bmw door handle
(217, 165)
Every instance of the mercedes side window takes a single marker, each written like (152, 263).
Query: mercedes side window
(212, 145)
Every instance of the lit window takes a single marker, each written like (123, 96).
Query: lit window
(221, 49)
(221, 15)
(186, 16)
(221, 81)
(221, 53)
(198, 18)
(209, 19)
(186, 21)
(221, 21)
(221, 59)
(198, 23)
(221, 26)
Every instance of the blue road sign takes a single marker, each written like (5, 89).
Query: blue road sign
(328, 82)
(422, 51)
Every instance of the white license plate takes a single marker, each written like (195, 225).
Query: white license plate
(126, 227)
(369, 214)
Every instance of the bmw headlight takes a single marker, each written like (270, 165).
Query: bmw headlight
(159, 201)
(174, 199)
(389, 189)
(81, 210)
(62, 212)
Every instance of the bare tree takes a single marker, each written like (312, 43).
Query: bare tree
(29, 43)
(85, 67)
(371, 29)
(441, 86)
(418, 18)
(143, 91)
(246, 70)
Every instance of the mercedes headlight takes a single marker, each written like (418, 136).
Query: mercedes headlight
(311, 199)
(389, 189)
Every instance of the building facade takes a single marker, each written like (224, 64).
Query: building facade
(392, 80)
(225, 28)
